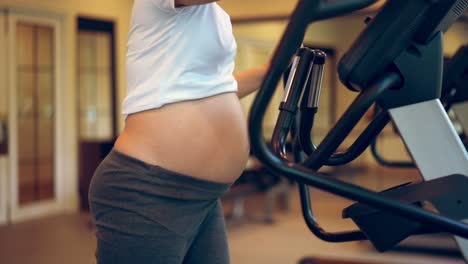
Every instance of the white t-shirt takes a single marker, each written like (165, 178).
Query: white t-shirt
(177, 54)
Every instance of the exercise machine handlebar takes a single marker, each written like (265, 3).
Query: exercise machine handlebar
(290, 41)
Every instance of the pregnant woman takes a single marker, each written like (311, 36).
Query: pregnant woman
(155, 197)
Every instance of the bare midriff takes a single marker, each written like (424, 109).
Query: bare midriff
(205, 139)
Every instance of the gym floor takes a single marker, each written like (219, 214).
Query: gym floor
(70, 238)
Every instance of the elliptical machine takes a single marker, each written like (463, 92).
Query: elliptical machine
(396, 63)
(454, 97)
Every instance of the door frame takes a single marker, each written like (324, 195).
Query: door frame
(3, 90)
(42, 208)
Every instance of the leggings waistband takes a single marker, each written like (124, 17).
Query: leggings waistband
(154, 179)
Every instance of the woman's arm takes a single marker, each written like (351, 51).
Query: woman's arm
(249, 81)
(192, 2)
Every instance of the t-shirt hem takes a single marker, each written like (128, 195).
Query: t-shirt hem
(168, 102)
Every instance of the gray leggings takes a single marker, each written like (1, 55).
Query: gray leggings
(146, 214)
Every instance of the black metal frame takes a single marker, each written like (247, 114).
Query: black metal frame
(454, 90)
(308, 11)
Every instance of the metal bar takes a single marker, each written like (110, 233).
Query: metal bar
(349, 120)
(361, 143)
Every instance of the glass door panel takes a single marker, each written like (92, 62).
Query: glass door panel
(35, 111)
(95, 86)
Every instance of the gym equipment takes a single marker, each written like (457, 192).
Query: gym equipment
(454, 97)
(396, 63)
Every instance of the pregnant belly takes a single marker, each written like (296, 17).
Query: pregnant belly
(205, 138)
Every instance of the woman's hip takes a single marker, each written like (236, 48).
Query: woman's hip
(125, 190)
